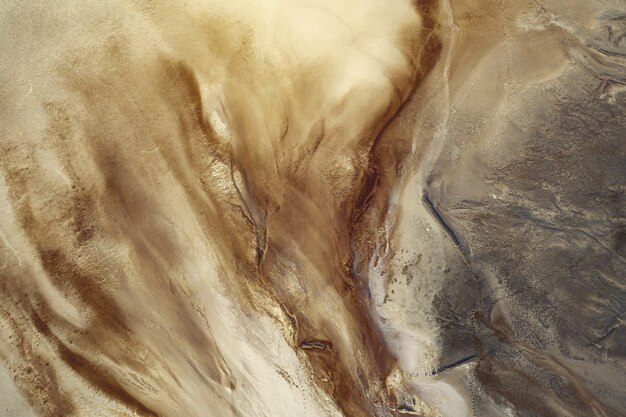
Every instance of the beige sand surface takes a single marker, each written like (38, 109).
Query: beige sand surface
(322, 208)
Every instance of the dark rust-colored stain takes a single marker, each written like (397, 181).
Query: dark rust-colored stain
(97, 376)
(201, 149)
(33, 374)
(361, 204)
(388, 152)
(130, 205)
(191, 148)
(83, 210)
(95, 287)
(70, 278)
(366, 211)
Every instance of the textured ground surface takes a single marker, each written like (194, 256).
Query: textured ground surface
(323, 208)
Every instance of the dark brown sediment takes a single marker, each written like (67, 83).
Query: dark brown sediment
(278, 207)
(318, 209)
(296, 216)
(33, 374)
